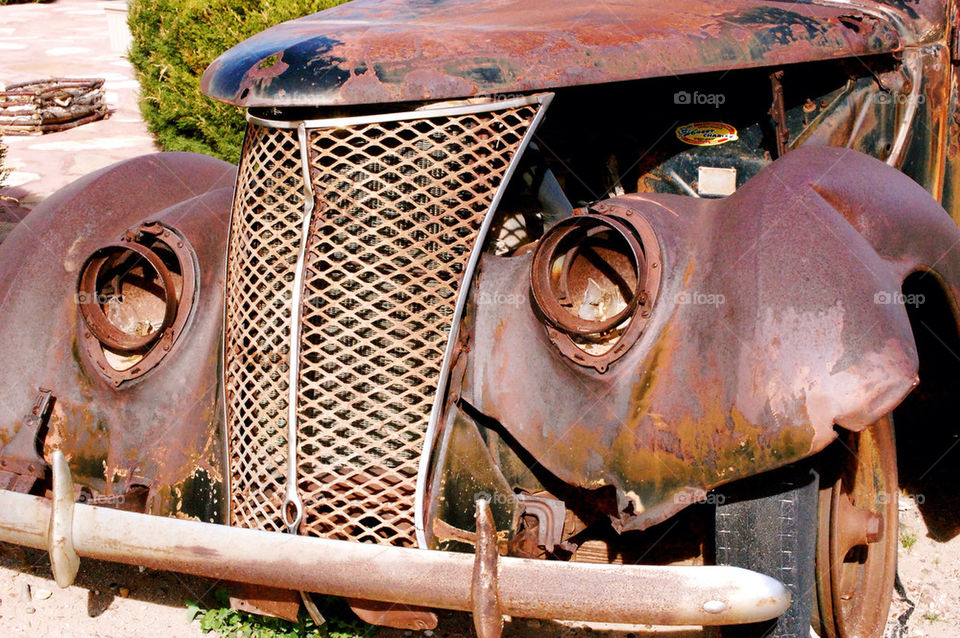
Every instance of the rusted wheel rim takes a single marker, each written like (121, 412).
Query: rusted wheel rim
(857, 539)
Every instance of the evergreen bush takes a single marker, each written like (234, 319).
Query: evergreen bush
(174, 41)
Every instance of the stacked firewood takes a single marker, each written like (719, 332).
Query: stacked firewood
(46, 106)
(3, 156)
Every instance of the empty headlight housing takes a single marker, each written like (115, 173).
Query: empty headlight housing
(135, 297)
(594, 280)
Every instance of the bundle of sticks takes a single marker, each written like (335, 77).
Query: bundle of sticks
(47, 106)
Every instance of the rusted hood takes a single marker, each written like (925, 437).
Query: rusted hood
(372, 51)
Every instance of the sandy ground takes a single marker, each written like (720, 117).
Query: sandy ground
(930, 572)
(114, 600)
(106, 600)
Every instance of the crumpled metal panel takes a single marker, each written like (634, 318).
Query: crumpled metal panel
(927, 17)
(161, 431)
(778, 317)
(374, 51)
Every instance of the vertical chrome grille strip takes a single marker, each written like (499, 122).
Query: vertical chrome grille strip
(264, 237)
(291, 501)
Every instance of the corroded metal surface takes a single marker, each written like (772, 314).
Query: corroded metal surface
(485, 588)
(134, 270)
(399, 205)
(777, 318)
(395, 615)
(20, 463)
(375, 51)
(527, 588)
(265, 601)
(858, 535)
(775, 315)
(64, 561)
(163, 434)
(633, 270)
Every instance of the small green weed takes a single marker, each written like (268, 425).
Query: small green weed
(225, 622)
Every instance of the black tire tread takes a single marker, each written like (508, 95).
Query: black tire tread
(769, 525)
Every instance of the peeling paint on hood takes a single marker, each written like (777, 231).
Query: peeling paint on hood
(373, 51)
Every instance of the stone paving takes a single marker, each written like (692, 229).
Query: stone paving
(67, 38)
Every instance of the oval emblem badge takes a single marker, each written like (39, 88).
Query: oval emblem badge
(706, 133)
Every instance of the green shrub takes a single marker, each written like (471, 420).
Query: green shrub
(174, 41)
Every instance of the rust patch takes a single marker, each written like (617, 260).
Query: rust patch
(754, 352)
(486, 47)
(195, 550)
(153, 432)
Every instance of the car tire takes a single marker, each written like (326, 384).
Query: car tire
(768, 524)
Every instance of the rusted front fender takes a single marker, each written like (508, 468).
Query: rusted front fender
(779, 316)
(161, 431)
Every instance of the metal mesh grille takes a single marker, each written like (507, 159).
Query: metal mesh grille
(398, 210)
(401, 204)
(264, 240)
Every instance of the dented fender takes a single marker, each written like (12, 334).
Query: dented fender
(161, 431)
(779, 317)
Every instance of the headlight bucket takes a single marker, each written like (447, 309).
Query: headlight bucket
(602, 264)
(154, 265)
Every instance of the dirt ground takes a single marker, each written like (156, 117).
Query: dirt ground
(930, 572)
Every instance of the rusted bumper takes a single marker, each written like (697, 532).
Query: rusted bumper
(521, 587)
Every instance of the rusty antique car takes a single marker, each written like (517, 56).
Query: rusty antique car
(596, 311)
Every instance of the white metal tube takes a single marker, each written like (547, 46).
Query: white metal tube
(528, 588)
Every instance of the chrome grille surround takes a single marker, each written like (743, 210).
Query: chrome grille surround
(399, 209)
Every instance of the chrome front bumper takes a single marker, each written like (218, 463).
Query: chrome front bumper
(483, 583)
